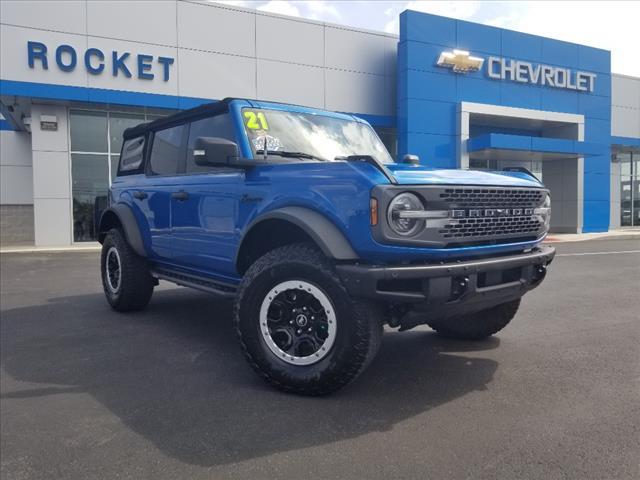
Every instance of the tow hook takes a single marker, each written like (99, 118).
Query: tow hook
(459, 286)
(540, 272)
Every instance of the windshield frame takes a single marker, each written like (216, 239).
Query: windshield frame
(277, 158)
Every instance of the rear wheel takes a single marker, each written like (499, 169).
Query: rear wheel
(298, 326)
(477, 325)
(126, 279)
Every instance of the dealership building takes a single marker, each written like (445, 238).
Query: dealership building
(75, 74)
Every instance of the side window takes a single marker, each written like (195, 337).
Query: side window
(132, 155)
(219, 126)
(167, 151)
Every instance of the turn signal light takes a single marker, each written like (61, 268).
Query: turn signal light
(373, 208)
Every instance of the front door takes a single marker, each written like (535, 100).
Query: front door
(205, 209)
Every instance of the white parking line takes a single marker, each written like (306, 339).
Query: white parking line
(594, 253)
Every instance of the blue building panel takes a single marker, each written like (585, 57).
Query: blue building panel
(556, 100)
(594, 59)
(439, 30)
(527, 71)
(597, 130)
(596, 216)
(595, 106)
(478, 89)
(520, 96)
(435, 151)
(419, 56)
(478, 38)
(521, 45)
(562, 54)
(602, 86)
(431, 117)
(427, 86)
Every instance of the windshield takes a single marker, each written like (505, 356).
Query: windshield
(314, 136)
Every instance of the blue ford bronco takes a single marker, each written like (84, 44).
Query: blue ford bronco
(302, 217)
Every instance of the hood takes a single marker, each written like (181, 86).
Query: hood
(416, 175)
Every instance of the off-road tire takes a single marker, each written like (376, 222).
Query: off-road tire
(477, 326)
(136, 283)
(358, 324)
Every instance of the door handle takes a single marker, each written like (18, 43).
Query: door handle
(180, 196)
(140, 195)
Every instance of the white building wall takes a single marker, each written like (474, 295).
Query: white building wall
(625, 122)
(16, 177)
(625, 106)
(219, 51)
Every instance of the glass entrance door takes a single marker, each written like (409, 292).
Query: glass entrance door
(629, 188)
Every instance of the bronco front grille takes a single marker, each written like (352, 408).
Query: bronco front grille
(491, 227)
(500, 213)
(493, 197)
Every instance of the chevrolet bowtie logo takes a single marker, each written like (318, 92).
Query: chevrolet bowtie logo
(460, 61)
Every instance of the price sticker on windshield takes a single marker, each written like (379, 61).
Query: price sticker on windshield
(255, 121)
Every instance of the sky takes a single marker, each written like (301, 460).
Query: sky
(612, 25)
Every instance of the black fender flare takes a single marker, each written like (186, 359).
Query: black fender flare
(320, 229)
(129, 225)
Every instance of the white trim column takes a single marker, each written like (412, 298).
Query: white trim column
(51, 176)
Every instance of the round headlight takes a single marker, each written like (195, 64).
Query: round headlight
(401, 224)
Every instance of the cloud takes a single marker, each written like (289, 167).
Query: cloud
(281, 7)
(463, 10)
(321, 10)
(608, 25)
(312, 9)
(233, 3)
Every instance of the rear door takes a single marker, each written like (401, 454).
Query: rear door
(204, 218)
(167, 151)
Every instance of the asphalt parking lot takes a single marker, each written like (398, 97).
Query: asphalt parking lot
(88, 393)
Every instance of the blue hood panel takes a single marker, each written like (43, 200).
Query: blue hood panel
(409, 175)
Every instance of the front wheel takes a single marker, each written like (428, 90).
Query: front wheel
(298, 326)
(478, 325)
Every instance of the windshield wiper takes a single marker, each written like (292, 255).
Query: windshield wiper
(286, 154)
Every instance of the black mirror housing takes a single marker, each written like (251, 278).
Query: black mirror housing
(210, 151)
(411, 159)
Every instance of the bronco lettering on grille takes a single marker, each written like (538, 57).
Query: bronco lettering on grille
(490, 212)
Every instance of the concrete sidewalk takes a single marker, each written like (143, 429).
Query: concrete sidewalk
(622, 234)
(79, 247)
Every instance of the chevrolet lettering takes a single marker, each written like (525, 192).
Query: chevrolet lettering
(498, 68)
(527, 72)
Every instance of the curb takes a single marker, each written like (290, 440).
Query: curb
(49, 249)
(591, 237)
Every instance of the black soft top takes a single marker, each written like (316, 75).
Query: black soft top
(200, 111)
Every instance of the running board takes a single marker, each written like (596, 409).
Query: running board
(193, 281)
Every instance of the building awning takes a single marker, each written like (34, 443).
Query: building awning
(519, 147)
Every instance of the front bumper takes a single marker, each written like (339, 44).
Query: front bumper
(450, 287)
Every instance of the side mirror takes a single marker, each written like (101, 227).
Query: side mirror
(411, 159)
(210, 151)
